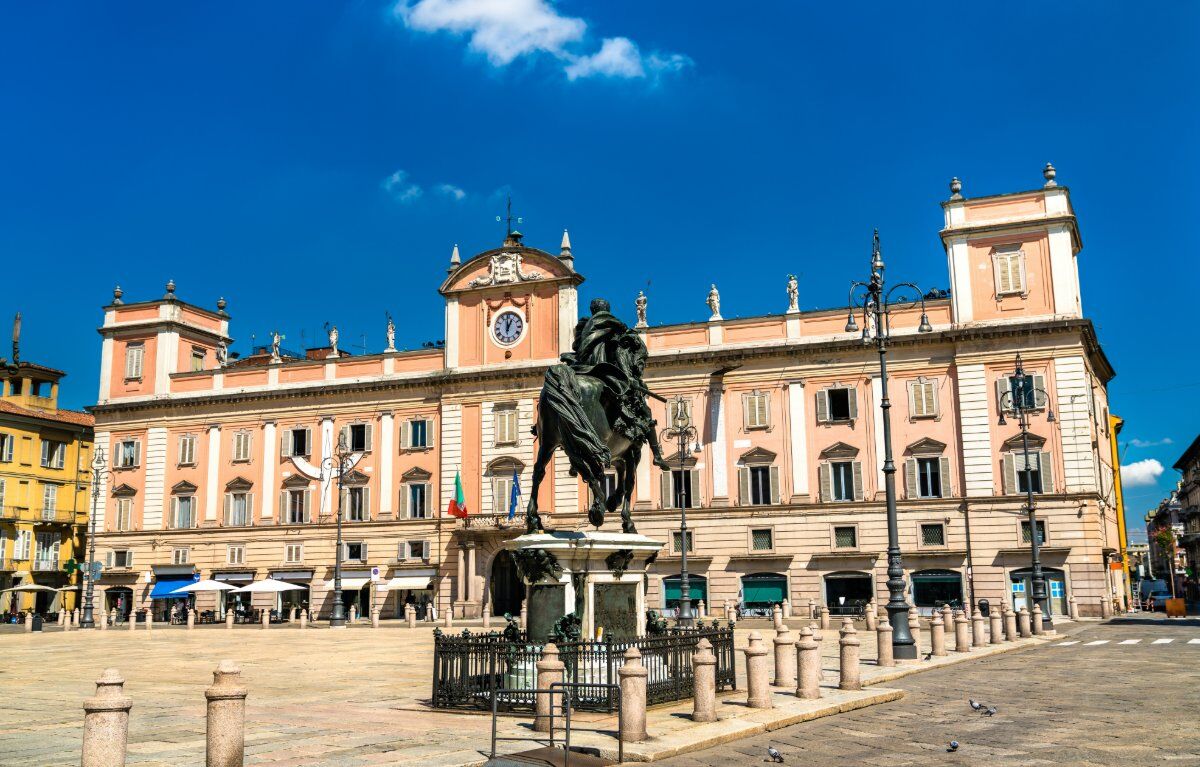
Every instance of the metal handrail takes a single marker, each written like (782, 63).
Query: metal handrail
(563, 689)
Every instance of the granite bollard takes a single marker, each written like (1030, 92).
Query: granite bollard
(812, 608)
(1035, 619)
(524, 614)
(825, 617)
(948, 618)
(701, 610)
(266, 618)
(1106, 608)
(487, 617)
(191, 620)
(226, 741)
(995, 626)
(871, 616)
(549, 671)
(149, 620)
(410, 614)
(132, 620)
(101, 619)
(106, 722)
(304, 619)
(704, 675)
(978, 638)
(776, 617)
(375, 618)
(29, 621)
(758, 690)
(849, 657)
(632, 677)
(448, 617)
(808, 656)
(1023, 623)
(785, 657)
(787, 609)
(1073, 608)
(1010, 624)
(884, 637)
(962, 638)
(937, 635)
(229, 618)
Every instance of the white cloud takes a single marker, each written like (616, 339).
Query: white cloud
(1141, 473)
(1151, 443)
(401, 189)
(505, 30)
(451, 191)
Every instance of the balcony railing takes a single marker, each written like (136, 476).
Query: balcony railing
(57, 516)
(45, 565)
(490, 522)
(6, 564)
(27, 514)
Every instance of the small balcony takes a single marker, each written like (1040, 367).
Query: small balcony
(56, 517)
(6, 564)
(45, 565)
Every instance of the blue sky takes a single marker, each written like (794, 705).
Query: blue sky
(314, 162)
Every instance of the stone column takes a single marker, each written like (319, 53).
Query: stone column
(106, 722)
(525, 613)
(995, 626)
(471, 595)
(758, 690)
(633, 697)
(304, 619)
(785, 657)
(1010, 624)
(29, 621)
(977, 637)
(787, 609)
(808, 654)
(937, 635)
(229, 618)
(825, 616)
(871, 617)
(549, 671)
(226, 717)
(1023, 623)
(1072, 608)
(1035, 619)
(191, 619)
(776, 617)
(487, 617)
(884, 638)
(704, 674)
(850, 676)
(701, 610)
(962, 639)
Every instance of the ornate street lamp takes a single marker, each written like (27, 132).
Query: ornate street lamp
(683, 431)
(876, 304)
(1020, 400)
(339, 459)
(99, 471)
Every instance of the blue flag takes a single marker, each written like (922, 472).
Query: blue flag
(514, 497)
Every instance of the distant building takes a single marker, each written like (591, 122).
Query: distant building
(218, 467)
(1188, 496)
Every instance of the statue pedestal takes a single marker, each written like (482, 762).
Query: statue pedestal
(600, 576)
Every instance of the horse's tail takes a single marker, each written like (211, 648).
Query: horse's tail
(587, 454)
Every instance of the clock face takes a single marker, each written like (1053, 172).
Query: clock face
(508, 327)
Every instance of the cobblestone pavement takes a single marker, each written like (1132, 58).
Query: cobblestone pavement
(1069, 703)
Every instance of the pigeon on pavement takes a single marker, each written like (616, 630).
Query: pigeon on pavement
(953, 746)
(775, 755)
(991, 711)
(976, 705)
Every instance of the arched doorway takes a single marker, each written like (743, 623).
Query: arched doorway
(846, 592)
(121, 598)
(934, 588)
(1056, 589)
(507, 588)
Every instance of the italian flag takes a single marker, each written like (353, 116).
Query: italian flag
(458, 504)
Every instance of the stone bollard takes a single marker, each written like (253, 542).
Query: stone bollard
(132, 620)
(226, 717)
(850, 676)
(112, 616)
(962, 638)
(1072, 608)
(75, 618)
(816, 632)
(191, 620)
(304, 619)
(785, 657)
(1106, 608)
(29, 621)
(67, 626)
(871, 616)
(704, 676)
(549, 671)
(106, 722)
(776, 617)
(292, 615)
(375, 618)
(633, 697)
(149, 620)
(62, 617)
(977, 637)
(758, 691)
(1023, 623)
(266, 619)
(884, 637)
(701, 610)
(448, 618)
(937, 635)
(101, 620)
(524, 614)
(1010, 624)
(229, 619)
(487, 617)
(728, 610)
(787, 609)
(808, 658)
(410, 613)
(995, 626)
(1035, 619)
(812, 608)
(948, 618)
(825, 617)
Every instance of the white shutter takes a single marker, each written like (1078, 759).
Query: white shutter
(45, 453)
(344, 436)
(764, 410)
(743, 486)
(1008, 468)
(693, 478)
(228, 506)
(6, 449)
(1039, 390)
(912, 487)
(931, 398)
(402, 551)
(171, 523)
(1003, 386)
(858, 481)
(405, 435)
(944, 471)
(823, 406)
(428, 438)
(308, 505)
(405, 494)
(344, 504)
(249, 508)
(776, 490)
(283, 507)
(285, 443)
(366, 502)
(424, 549)
(1002, 274)
(914, 401)
(137, 452)
(852, 397)
(108, 559)
(665, 489)
(747, 405)
(1046, 466)
(308, 445)
(370, 431)
(825, 482)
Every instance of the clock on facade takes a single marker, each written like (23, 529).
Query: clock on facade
(508, 327)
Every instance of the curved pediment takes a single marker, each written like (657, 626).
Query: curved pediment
(505, 464)
(1015, 443)
(839, 450)
(926, 446)
(508, 266)
(757, 455)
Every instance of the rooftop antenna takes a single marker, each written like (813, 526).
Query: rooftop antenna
(508, 219)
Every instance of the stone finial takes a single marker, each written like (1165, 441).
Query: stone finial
(1049, 173)
(564, 253)
(117, 293)
(955, 189)
(170, 295)
(221, 306)
(455, 259)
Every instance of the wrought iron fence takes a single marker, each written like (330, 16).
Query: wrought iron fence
(468, 667)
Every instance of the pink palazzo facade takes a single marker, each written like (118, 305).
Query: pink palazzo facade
(216, 467)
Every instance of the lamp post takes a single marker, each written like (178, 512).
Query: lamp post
(682, 430)
(341, 454)
(1020, 400)
(99, 470)
(876, 303)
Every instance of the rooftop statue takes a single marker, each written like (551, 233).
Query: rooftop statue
(593, 406)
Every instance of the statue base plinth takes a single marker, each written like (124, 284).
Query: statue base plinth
(599, 576)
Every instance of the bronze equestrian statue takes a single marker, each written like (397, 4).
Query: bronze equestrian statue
(593, 406)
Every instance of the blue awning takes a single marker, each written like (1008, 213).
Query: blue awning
(165, 585)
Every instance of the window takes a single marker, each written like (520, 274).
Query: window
(119, 559)
(239, 509)
(677, 542)
(414, 500)
(609, 483)
(124, 520)
(506, 424)
(187, 450)
(21, 544)
(756, 410)
(1041, 532)
(355, 552)
(356, 504)
(129, 454)
(414, 550)
(1009, 265)
(198, 354)
(53, 454)
(416, 435)
(49, 500)
(933, 534)
(6, 448)
(296, 441)
(922, 399)
(358, 437)
(38, 388)
(845, 537)
(837, 404)
(762, 539)
(680, 489)
(296, 505)
(134, 355)
(180, 556)
(235, 555)
(760, 485)
(927, 476)
(1021, 478)
(841, 480)
(3, 489)
(48, 545)
(242, 445)
(183, 512)
(501, 493)
(293, 553)
(1029, 393)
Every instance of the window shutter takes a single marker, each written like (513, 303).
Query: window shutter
(911, 486)
(1001, 273)
(1039, 390)
(45, 453)
(108, 559)
(283, 506)
(944, 471)
(852, 398)
(743, 486)
(370, 430)
(366, 502)
(694, 487)
(776, 490)
(308, 441)
(345, 503)
(402, 551)
(1047, 468)
(228, 506)
(1003, 386)
(428, 439)
(747, 404)
(914, 405)
(931, 398)
(497, 495)
(308, 505)
(137, 453)
(344, 435)
(1008, 466)
(664, 485)
(824, 480)
(173, 521)
(858, 483)
(249, 508)
(823, 406)
(285, 443)
(424, 549)
(405, 493)
(405, 435)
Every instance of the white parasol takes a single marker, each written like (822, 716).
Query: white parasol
(268, 586)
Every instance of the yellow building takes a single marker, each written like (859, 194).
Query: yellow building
(45, 477)
(1126, 590)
